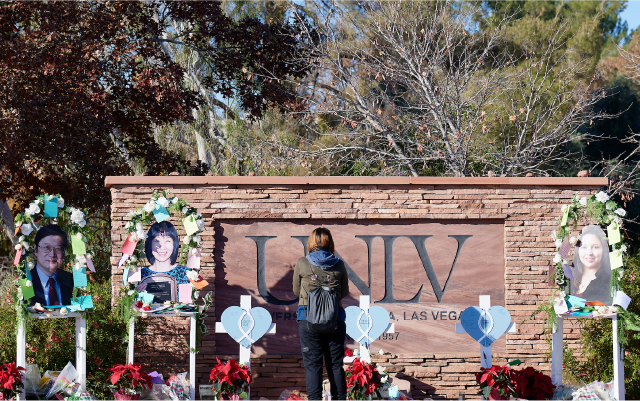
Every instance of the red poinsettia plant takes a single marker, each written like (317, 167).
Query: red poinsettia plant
(230, 379)
(10, 380)
(504, 382)
(363, 381)
(129, 379)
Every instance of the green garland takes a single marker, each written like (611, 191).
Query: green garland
(606, 213)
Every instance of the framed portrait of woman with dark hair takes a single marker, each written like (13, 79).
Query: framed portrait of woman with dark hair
(591, 266)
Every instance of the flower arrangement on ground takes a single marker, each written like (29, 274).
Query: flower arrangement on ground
(130, 381)
(10, 380)
(504, 382)
(363, 381)
(230, 380)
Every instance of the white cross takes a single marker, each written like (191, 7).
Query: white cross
(485, 352)
(365, 354)
(245, 353)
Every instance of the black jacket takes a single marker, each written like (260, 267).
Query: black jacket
(65, 281)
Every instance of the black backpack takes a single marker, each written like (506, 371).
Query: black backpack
(323, 308)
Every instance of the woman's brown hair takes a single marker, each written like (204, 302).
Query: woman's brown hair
(320, 238)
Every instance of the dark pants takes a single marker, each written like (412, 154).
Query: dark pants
(330, 346)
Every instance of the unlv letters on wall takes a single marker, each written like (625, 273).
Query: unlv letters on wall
(424, 272)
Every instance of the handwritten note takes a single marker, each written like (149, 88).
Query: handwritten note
(77, 244)
(80, 277)
(613, 234)
(190, 225)
(51, 207)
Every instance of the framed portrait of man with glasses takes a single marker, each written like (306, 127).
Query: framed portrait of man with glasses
(52, 285)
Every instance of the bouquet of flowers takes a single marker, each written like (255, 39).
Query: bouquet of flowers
(363, 381)
(129, 380)
(10, 380)
(504, 382)
(230, 379)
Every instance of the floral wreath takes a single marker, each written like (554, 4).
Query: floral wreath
(47, 209)
(160, 207)
(607, 214)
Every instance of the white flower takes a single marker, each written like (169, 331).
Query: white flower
(131, 292)
(174, 200)
(167, 303)
(566, 262)
(562, 294)
(50, 197)
(30, 265)
(379, 368)
(583, 201)
(32, 209)
(620, 212)
(149, 206)
(573, 240)
(133, 259)
(557, 258)
(82, 223)
(554, 235)
(21, 238)
(28, 283)
(77, 216)
(185, 210)
(623, 248)
(192, 275)
(602, 197)
(196, 294)
(197, 239)
(564, 208)
(63, 311)
(163, 201)
(133, 237)
(48, 314)
(38, 307)
(384, 379)
(18, 247)
(200, 224)
(610, 206)
(60, 202)
(198, 216)
(77, 266)
(26, 228)
(127, 226)
(38, 201)
(617, 220)
(139, 227)
(558, 243)
(138, 212)
(186, 239)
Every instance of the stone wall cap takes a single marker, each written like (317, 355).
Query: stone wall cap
(112, 181)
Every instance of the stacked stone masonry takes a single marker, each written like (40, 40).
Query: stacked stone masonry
(529, 208)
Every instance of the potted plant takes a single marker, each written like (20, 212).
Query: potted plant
(10, 381)
(504, 382)
(230, 380)
(363, 381)
(129, 381)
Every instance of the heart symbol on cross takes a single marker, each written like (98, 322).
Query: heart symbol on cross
(246, 327)
(365, 326)
(485, 325)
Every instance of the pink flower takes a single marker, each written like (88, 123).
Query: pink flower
(314, 277)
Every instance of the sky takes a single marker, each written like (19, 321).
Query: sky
(632, 14)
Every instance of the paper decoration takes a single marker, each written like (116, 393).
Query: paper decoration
(125, 276)
(565, 218)
(16, 261)
(561, 307)
(156, 377)
(366, 326)
(83, 302)
(77, 244)
(551, 282)
(190, 225)
(135, 276)
(567, 271)
(122, 260)
(394, 392)
(621, 299)
(184, 293)
(595, 303)
(145, 297)
(200, 284)
(27, 291)
(28, 271)
(246, 327)
(613, 234)
(564, 248)
(193, 261)
(17, 229)
(90, 264)
(53, 306)
(485, 325)
(80, 277)
(160, 213)
(51, 207)
(572, 301)
(616, 259)
(129, 246)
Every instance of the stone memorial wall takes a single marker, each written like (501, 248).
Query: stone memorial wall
(424, 248)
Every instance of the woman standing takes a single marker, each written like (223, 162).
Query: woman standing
(322, 266)
(592, 268)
